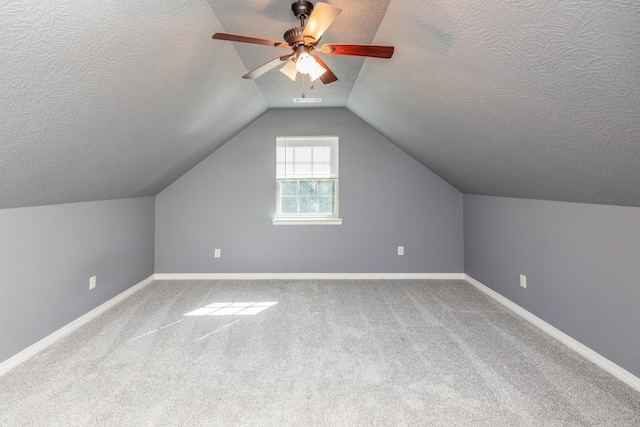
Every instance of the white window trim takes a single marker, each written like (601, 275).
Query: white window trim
(306, 221)
(311, 219)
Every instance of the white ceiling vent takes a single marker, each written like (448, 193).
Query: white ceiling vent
(307, 100)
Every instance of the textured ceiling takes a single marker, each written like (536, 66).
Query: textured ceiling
(112, 99)
(531, 99)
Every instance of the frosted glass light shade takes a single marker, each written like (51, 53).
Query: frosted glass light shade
(290, 70)
(306, 64)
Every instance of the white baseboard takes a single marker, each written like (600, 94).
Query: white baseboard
(309, 276)
(32, 350)
(615, 370)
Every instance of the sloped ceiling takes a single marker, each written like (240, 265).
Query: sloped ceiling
(112, 99)
(531, 99)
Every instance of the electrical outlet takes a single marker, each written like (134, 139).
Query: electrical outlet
(523, 281)
(92, 282)
(216, 254)
(400, 250)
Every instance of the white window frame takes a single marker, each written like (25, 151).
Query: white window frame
(286, 171)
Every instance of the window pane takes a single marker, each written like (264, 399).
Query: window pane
(303, 161)
(288, 205)
(302, 170)
(325, 205)
(322, 154)
(280, 162)
(322, 170)
(307, 205)
(307, 188)
(321, 161)
(288, 188)
(325, 188)
(288, 169)
(303, 154)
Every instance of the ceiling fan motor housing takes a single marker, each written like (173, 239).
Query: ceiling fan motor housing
(294, 36)
(302, 9)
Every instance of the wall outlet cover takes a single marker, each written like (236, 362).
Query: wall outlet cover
(523, 281)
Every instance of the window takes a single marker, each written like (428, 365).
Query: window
(307, 180)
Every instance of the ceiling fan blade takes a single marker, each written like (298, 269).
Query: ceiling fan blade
(266, 67)
(249, 39)
(328, 76)
(368, 50)
(321, 18)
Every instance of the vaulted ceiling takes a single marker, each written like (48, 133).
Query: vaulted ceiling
(530, 99)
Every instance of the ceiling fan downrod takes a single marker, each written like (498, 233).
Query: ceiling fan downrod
(302, 9)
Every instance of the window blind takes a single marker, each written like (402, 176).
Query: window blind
(307, 157)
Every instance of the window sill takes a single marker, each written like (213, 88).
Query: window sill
(307, 221)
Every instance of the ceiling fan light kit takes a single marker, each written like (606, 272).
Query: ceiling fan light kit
(303, 42)
(305, 64)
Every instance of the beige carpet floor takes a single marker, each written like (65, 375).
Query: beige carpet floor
(312, 353)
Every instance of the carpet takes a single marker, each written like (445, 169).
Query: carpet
(312, 353)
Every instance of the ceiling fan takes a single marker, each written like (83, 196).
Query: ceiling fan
(303, 41)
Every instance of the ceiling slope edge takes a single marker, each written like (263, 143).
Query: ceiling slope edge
(241, 119)
(372, 124)
(252, 115)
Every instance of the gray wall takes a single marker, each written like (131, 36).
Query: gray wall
(48, 253)
(386, 199)
(581, 263)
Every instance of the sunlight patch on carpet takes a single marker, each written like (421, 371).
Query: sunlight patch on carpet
(232, 309)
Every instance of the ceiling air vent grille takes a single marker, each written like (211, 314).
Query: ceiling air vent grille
(307, 100)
